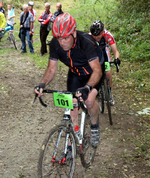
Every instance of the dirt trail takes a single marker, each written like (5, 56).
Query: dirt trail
(23, 127)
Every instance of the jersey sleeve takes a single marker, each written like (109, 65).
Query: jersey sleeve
(40, 17)
(53, 52)
(109, 38)
(91, 50)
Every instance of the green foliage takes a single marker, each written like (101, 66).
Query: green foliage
(131, 28)
(128, 21)
(86, 13)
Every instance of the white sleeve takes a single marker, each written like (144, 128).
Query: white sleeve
(34, 12)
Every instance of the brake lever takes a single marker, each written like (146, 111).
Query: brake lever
(36, 95)
(40, 99)
(117, 67)
(42, 103)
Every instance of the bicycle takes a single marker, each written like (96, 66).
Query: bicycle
(53, 161)
(104, 94)
(11, 35)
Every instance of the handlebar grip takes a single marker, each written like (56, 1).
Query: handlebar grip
(117, 66)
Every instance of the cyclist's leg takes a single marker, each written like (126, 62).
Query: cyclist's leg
(108, 59)
(73, 83)
(109, 76)
(92, 106)
(93, 110)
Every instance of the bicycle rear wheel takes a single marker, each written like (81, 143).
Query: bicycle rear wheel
(88, 152)
(13, 40)
(50, 166)
(100, 98)
(107, 98)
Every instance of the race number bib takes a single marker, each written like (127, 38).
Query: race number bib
(63, 100)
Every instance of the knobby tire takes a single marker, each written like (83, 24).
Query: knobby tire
(107, 98)
(45, 166)
(88, 152)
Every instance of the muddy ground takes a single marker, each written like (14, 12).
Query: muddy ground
(24, 125)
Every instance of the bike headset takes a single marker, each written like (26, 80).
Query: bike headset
(97, 27)
(64, 26)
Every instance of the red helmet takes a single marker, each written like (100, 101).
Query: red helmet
(64, 25)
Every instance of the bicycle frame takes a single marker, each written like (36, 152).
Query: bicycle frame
(67, 118)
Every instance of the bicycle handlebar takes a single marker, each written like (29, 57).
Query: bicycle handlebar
(117, 66)
(80, 103)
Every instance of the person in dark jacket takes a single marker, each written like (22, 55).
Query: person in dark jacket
(26, 25)
(59, 10)
(45, 20)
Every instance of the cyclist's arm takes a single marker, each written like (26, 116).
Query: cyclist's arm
(115, 51)
(50, 72)
(48, 76)
(96, 74)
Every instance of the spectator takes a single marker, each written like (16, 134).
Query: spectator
(11, 16)
(59, 10)
(26, 25)
(2, 21)
(30, 5)
(45, 20)
(1, 7)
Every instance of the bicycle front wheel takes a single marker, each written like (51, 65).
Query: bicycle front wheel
(107, 98)
(51, 161)
(87, 152)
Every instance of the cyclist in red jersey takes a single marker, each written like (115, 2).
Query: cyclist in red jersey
(77, 50)
(105, 39)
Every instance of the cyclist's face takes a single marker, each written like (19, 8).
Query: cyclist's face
(66, 42)
(98, 38)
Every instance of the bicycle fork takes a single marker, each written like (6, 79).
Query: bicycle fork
(56, 147)
(62, 160)
(83, 114)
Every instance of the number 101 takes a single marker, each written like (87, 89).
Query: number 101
(63, 102)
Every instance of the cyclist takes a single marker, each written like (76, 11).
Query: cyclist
(78, 51)
(30, 6)
(2, 21)
(105, 39)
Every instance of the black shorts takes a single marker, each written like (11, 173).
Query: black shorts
(74, 82)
